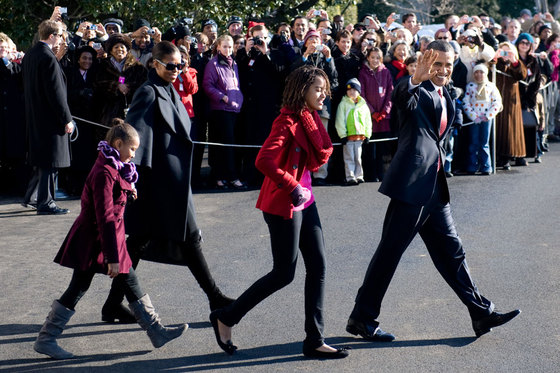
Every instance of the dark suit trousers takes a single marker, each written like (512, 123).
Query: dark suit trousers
(41, 187)
(435, 225)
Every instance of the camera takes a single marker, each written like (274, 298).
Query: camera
(64, 13)
(18, 55)
(470, 39)
(96, 46)
(317, 13)
(503, 53)
(370, 42)
(185, 21)
(284, 36)
(326, 31)
(151, 32)
(319, 48)
(397, 16)
(91, 27)
(257, 40)
(193, 40)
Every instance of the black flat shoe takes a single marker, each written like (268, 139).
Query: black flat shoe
(485, 325)
(312, 353)
(112, 313)
(228, 347)
(368, 332)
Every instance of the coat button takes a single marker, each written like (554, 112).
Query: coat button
(294, 167)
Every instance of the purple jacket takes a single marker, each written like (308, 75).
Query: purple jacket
(220, 80)
(379, 101)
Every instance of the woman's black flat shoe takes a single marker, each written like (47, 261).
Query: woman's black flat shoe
(228, 347)
(312, 353)
(111, 313)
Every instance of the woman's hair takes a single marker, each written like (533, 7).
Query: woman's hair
(365, 36)
(186, 57)
(391, 52)
(343, 34)
(298, 83)
(510, 46)
(374, 49)
(219, 41)
(550, 39)
(202, 38)
(5, 38)
(117, 39)
(120, 131)
(164, 48)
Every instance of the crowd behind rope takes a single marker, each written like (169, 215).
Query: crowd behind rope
(232, 78)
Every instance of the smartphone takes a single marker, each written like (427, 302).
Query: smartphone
(63, 10)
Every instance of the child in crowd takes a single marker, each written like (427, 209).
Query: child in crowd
(353, 124)
(96, 244)
(411, 64)
(482, 103)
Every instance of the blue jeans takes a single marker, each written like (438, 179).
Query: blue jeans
(479, 149)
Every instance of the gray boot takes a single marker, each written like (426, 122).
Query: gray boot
(52, 328)
(149, 321)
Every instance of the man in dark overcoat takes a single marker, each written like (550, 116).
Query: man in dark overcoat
(417, 186)
(48, 118)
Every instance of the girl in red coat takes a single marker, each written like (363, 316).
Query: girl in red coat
(298, 143)
(96, 244)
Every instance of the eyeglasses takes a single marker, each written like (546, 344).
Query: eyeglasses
(443, 37)
(171, 66)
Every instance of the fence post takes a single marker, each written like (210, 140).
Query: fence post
(493, 126)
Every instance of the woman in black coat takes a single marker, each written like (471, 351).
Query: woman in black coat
(80, 78)
(161, 222)
(119, 76)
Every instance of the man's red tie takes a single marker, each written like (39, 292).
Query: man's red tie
(442, 122)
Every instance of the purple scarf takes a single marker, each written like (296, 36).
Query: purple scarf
(126, 170)
(228, 61)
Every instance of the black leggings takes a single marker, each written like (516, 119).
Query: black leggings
(81, 280)
(303, 231)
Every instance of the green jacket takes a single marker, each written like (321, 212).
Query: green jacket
(353, 118)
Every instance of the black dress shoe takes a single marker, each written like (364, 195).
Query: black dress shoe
(111, 313)
(52, 211)
(368, 332)
(448, 175)
(485, 325)
(312, 353)
(228, 347)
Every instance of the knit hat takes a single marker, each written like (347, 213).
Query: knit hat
(525, 12)
(481, 67)
(234, 19)
(524, 36)
(207, 22)
(309, 34)
(542, 28)
(354, 83)
(114, 22)
(141, 23)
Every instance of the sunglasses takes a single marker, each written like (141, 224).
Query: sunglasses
(525, 42)
(360, 28)
(443, 38)
(171, 66)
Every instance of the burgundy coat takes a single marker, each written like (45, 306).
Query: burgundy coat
(97, 236)
(282, 160)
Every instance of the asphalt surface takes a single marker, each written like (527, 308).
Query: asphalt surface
(508, 223)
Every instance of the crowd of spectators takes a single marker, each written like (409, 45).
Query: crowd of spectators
(232, 79)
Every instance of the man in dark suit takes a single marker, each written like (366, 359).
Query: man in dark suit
(419, 203)
(48, 119)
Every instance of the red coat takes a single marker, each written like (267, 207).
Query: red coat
(97, 236)
(190, 87)
(282, 160)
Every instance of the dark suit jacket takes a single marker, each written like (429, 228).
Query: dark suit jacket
(412, 174)
(164, 160)
(47, 110)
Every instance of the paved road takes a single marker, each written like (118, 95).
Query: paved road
(508, 223)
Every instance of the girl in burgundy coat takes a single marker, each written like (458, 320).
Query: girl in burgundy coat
(298, 143)
(96, 244)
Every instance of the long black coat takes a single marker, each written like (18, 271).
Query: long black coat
(164, 208)
(47, 110)
(12, 113)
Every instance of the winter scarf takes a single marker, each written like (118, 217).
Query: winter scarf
(126, 170)
(320, 143)
(402, 68)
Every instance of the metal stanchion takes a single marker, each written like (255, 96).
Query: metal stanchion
(493, 126)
